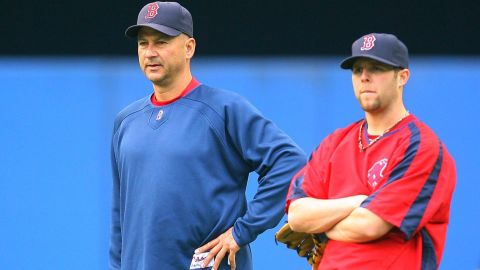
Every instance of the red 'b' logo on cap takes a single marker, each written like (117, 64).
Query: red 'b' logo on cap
(152, 11)
(368, 42)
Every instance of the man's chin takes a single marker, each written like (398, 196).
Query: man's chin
(368, 104)
(370, 108)
(154, 78)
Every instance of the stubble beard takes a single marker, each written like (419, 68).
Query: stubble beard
(370, 105)
(166, 77)
(159, 79)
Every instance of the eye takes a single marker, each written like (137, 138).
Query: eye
(357, 70)
(161, 42)
(380, 68)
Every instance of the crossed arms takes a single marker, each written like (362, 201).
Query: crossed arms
(341, 219)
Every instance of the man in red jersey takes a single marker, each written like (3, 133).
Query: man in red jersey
(380, 188)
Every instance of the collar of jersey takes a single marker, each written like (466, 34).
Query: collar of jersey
(193, 83)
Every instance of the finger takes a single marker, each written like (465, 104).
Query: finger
(219, 258)
(207, 246)
(211, 255)
(231, 259)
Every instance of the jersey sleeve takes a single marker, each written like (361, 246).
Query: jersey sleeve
(312, 180)
(419, 186)
(271, 154)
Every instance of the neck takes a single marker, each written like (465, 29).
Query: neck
(172, 89)
(378, 123)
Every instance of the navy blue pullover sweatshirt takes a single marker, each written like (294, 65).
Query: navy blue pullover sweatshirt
(180, 173)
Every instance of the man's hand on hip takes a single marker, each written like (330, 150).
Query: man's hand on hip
(218, 247)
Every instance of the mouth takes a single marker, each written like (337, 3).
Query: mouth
(153, 66)
(367, 92)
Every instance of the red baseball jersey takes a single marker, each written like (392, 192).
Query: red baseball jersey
(409, 177)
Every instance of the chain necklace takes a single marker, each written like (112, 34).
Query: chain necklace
(360, 144)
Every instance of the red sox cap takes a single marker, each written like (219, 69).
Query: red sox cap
(385, 48)
(169, 18)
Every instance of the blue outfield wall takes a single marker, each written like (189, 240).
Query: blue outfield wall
(56, 121)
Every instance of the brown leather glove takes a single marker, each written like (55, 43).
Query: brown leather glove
(308, 245)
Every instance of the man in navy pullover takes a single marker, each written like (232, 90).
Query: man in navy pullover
(181, 158)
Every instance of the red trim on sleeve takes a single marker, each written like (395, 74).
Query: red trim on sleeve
(193, 83)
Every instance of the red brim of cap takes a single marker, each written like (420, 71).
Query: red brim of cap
(132, 31)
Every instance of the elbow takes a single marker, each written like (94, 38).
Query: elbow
(295, 222)
(353, 234)
(299, 224)
(371, 232)
(295, 219)
(301, 219)
(367, 234)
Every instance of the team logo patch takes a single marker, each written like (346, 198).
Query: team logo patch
(152, 10)
(159, 115)
(368, 42)
(375, 174)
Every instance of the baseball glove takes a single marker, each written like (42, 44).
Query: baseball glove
(308, 245)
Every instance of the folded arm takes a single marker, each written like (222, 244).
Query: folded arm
(318, 215)
(362, 225)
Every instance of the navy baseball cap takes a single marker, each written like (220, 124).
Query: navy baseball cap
(169, 18)
(385, 48)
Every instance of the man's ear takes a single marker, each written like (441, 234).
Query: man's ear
(403, 76)
(190, 47)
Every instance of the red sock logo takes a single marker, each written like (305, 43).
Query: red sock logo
(152, 11)
(368, 42)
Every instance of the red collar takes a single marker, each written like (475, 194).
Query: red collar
(193, 83)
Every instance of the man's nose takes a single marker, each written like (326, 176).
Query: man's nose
(365, 75)
(150, 51)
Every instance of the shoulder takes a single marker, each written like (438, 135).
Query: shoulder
(210, 94)
(421, 134)
(220, 100)
(130, 110)
(421, 142)
(328, 145)
(341, 133)
(347, 129)
(425, 150)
